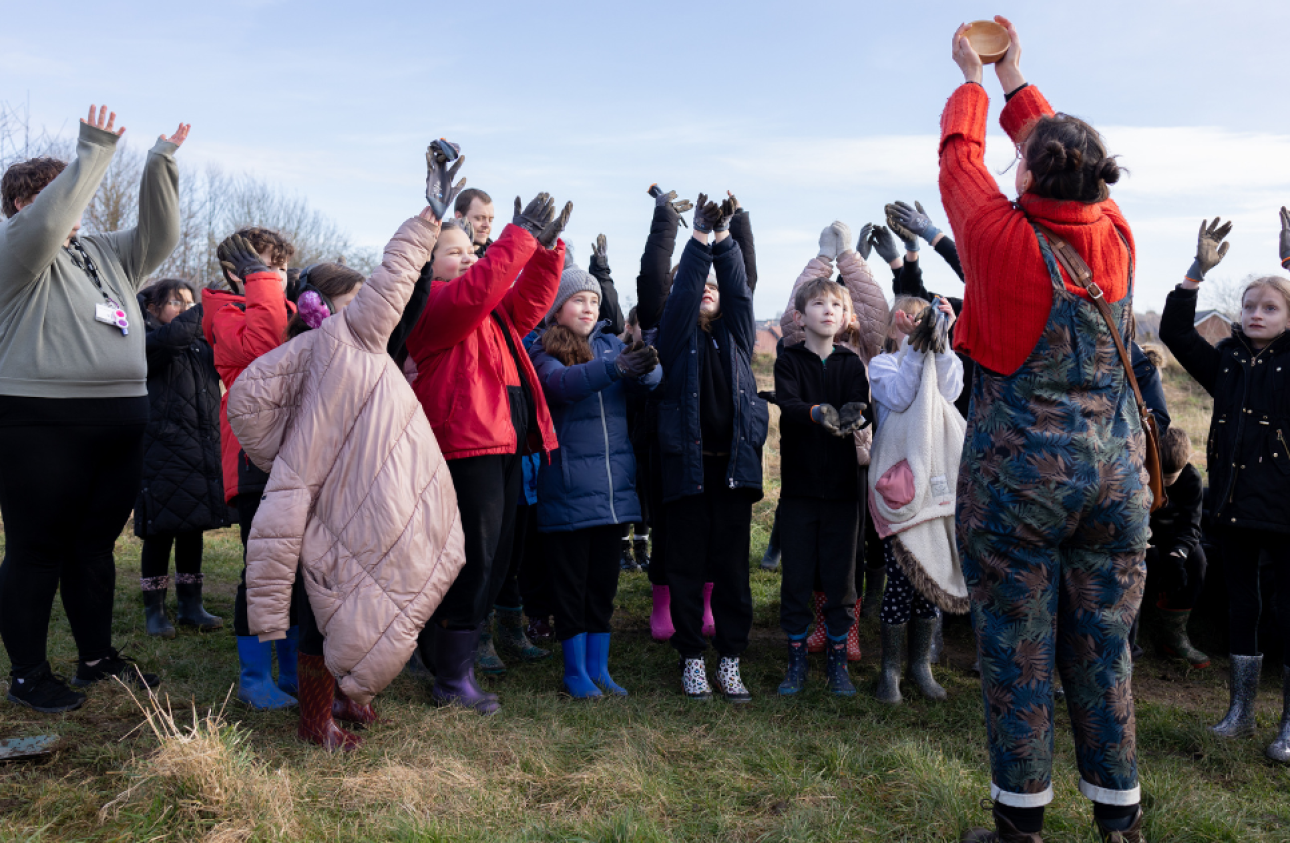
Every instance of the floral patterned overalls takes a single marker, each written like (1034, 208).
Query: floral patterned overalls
(1051, 518)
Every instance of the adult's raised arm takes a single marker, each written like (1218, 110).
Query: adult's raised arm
(142, 249)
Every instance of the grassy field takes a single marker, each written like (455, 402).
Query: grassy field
(652, 767)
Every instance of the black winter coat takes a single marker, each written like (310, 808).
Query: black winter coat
(813, 462)
(1175, 527)
(182, 488)
(1248, 451)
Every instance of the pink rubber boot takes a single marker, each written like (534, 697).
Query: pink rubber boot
(660, 620)
(709, 625)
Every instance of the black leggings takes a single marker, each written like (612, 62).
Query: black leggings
(311, 638)
(1240, 550)
(69, 473)
(155, 561)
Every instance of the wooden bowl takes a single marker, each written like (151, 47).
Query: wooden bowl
(990, 40)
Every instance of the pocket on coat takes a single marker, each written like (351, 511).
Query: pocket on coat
(671, 439)
(1278, 450)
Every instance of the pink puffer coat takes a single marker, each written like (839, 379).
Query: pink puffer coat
(358, 492)
(871, 311)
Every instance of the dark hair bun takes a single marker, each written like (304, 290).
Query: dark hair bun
(1108, 170)
(1056, 155)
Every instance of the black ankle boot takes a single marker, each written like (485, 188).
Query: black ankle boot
(188, 590)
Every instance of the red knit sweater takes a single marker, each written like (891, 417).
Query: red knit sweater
(1008, 294)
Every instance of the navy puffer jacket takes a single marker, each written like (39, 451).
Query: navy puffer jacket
(591, 479)
(679, 439)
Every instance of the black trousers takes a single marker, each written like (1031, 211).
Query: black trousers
(534, 573)
(818, 541)
(584, 578)
(707, 541)
(1163, 588)
(69, 473)
(510, 595)
(155, 560)
(657, 518)
(311, 638)
(487, 489)
(1240, 549)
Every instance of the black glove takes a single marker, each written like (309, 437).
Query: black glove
(239, 257)
(599, 253)
(932, 330)
(1285, 236)
(1175, 579)
(852, 416)
(669, 198)
(768, 395)
(864, 245)
(729, 207)
(440, 191)
(826, 416)
(535, 216)
(884, 243)
(551, 232)
(706, 214)
(637, 360)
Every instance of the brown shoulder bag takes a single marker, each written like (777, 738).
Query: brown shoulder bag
(1079, 272)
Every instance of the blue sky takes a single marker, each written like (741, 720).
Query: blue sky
(808, 111)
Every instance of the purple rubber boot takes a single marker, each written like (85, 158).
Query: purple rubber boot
(454, 682)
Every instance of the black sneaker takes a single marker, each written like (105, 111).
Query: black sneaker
(43, 691)
(114, 664)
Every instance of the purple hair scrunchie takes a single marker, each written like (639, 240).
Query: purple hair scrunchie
(311, 308)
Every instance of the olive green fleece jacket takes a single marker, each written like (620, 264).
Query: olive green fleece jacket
(50, 344)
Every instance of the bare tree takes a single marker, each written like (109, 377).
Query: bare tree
(1224, 294)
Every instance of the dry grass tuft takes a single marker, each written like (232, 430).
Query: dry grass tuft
(204, 774)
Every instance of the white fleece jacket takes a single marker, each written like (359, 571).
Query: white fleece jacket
(895, 378)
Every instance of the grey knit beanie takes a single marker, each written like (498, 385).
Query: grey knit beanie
(572, 282)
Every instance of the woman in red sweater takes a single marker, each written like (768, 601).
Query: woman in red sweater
(1052, 498)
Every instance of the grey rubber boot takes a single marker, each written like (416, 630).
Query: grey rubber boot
(510, 636)
(893, 656)
(486, 658)
(921, 633)
(938, 640)
(154, 614)
(1239, 720)
(1279, 749)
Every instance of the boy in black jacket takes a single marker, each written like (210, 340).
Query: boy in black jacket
(822, 390)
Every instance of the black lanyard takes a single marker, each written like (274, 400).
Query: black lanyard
(90, 269)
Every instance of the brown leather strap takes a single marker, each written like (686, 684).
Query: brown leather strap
(1079, 272)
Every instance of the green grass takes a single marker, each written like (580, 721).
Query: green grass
(653, 767)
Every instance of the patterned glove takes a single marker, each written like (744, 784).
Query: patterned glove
(914, 219)
(440, 191)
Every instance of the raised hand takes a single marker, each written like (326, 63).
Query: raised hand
(669, 198)
(965, 56)
(105, 120)
(729, 207)
(1285, 235)
(1210, 248)
(851, 417)
(551, 231)
(909, 238)
(932, 328)
(829, 244)
(441, 193)
(637, 360)
(180, 135)
(600, 251)
(706, 214)
(1008, 68)
(884, 243)
(914, 219)
(864, 246)
(238, 256)
(534, 216)
(842, 232)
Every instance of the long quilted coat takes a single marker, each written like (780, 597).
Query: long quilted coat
(359, 494)
(182, 489)
(870, 308)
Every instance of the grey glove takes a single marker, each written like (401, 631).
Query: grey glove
(534, 216)
(706, 214)
(669, 198)
(637, 360)
(1285, 236)
(864, 246)
(551, 232)
(826, 416)
(909, 238)
(599, 253)
(914, 219)
(852, 416)
(884, 243)
(441, 193)
(729, 207)
(1210, 248)
(238, 256)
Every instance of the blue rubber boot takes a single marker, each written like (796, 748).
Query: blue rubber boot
(288, 647)
(795, 676)
(598, 663)
(576, 680)
(255, 684)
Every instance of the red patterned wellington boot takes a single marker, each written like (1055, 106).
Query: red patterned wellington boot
(317, 693)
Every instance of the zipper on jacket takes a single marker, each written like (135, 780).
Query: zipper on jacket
(734, 442)
(609, 469)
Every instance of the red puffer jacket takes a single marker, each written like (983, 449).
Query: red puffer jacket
(463, 362)
(240, 329)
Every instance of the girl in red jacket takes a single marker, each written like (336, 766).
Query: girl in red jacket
(487, 410)
(1052, 499)
(242, 323)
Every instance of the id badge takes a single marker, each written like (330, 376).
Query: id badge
(109, 314)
